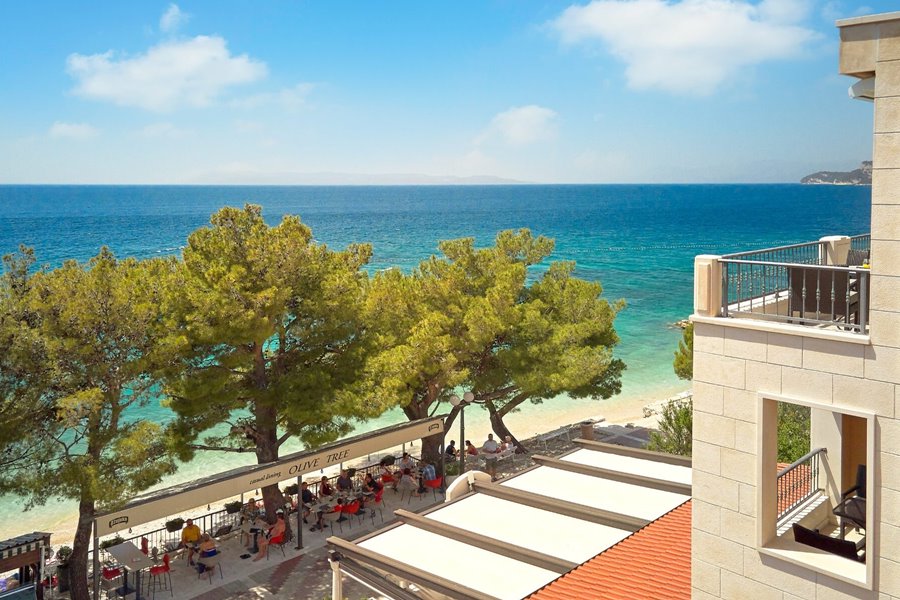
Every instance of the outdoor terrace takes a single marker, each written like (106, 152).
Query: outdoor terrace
(823, 284)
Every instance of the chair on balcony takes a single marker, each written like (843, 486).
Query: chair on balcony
(852, 507)
(844, 548)
(811, 295)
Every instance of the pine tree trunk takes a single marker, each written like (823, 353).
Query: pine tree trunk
(78, 563)
(500, 429)
(431, 445)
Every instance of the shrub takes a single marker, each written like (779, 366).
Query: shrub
(174, 525)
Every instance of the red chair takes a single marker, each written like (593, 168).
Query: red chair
(145, 545)
(350, 509)
(159, 575)
(387, 478)
(279, 541)
(435, 485)
(378, 502)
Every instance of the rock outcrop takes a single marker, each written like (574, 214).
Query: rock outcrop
(860, 176)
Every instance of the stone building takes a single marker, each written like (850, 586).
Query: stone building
(812, 330)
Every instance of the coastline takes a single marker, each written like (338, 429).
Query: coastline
(532, 421)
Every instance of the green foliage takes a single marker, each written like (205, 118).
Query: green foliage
(793, 431)
(676, 426)
(113, 541)
(176, 524)
(80, 343)
(684, 356)
(233, 507)
(266, 337)
(63, 554)
(469, 319)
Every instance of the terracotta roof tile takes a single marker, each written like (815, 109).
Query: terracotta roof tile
(653, 564)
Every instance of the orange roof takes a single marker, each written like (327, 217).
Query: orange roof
(652, 563)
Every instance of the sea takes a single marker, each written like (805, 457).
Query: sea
(639, 241)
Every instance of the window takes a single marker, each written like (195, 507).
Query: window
(812, 497)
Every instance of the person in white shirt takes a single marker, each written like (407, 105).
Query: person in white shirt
(491, 448)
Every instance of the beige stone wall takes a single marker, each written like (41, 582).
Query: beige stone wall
(731, 367)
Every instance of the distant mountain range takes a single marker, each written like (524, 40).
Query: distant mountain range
(860, 176)
(252, 177)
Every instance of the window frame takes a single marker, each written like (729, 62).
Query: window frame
(767, 542)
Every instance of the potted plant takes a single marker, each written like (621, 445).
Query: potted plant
(63, 578)
(291, 489)
(114, 541)
(233, 507)
(174, 525)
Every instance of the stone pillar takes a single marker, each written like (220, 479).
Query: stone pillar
(836, 248)
(707, 285)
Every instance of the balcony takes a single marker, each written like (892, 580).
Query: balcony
(823, 284)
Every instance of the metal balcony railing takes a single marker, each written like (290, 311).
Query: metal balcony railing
(794, 284)
(799, 481)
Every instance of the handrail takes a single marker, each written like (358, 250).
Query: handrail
(801, 460)
(798, 482)
(773, 249)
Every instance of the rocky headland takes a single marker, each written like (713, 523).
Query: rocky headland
(860, 176)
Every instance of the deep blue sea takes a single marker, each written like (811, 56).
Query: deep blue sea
(638, 240)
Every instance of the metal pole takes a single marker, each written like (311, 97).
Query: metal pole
(462, 438)
(96, 582)
(299, 545)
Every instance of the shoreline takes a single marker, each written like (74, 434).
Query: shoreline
(531, 421)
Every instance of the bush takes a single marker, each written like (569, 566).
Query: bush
(115, 541)
(63, 554)
(233, 507)
(291, 489)
(174, 525)
(675, 429)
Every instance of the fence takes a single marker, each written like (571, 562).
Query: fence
(794, 284)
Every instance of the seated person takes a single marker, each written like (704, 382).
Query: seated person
(251, 509)
(407, 483)
(426, 473)
(325, 488)
(371, 485)
(320, 521)
(406, 462)
(507, 443)
(289, 503)
(450, 450)
(190, 535)
(307, 497)
(344, 483)
(275, 533)
(206, 549)
(471, 449)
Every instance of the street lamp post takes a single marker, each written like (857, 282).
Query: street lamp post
(467, 399)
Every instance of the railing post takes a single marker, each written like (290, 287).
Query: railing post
(708, 285)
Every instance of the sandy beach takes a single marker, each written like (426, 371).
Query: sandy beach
(531, 421)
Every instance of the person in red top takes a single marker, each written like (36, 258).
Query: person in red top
(276, 533)
(471, 449)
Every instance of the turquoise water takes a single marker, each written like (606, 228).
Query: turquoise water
(638, 240)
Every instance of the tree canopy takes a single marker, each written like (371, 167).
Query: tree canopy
(469, 319)
(267, 338)
(80, 344)
(684, 356)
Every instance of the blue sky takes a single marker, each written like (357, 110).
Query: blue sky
(334, 92)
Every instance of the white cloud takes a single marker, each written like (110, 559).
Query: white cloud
(172, 19)
(163, 130)
(288, 98)
(172, 74)
(72, 130)
(689, 47)
(521, 125)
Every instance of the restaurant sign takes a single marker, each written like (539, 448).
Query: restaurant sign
(173, 500)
